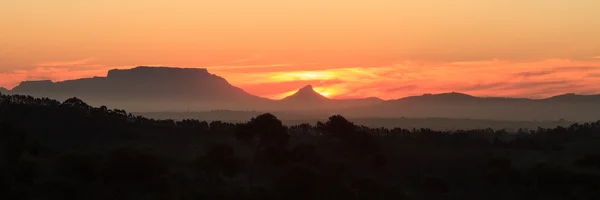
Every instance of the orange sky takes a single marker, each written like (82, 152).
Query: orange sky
(345, 48)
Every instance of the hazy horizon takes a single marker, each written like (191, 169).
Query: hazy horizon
(321, 91)
(345, 49)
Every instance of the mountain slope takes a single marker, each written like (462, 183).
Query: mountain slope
(149, 89)
(457, 105)
(574, 98)
(307, 99)
(306, 94)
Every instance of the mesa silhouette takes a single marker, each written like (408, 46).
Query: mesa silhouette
(166, 89)
(146, 88)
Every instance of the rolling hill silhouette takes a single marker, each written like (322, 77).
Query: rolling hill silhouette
(574, 98)
(458, 105)
(167, 89)
(3, 90)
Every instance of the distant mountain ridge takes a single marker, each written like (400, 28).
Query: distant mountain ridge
(461, 97)
(145, 88)
(458, 105)
(168, 89)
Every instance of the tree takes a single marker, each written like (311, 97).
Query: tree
(75, 102)
(17, 168)
(354, 141)
(305, 153)
(81, 167)
(13, 141)
(589, 161)
(268, 130)
(220, 159)
(337, 127)
(130, 169)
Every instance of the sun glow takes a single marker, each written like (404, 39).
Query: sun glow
(282, 95)
(304, 75)
(327, 92)
(324, 91)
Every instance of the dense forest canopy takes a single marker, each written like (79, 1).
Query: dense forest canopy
(70, 150)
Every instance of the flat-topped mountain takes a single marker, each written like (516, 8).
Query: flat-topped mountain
(148, 88)
(146, 82)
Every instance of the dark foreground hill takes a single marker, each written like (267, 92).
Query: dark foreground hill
(70, 150)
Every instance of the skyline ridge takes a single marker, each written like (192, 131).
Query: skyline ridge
(181, 90)
(306, 87)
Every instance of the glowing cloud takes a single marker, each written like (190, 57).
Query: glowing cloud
(534, 79)
(64, 63)
(303, 75)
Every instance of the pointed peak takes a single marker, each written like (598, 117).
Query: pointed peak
(306, 93)
(307, 88)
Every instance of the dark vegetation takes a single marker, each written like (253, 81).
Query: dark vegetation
(69, 150)
(439, 124)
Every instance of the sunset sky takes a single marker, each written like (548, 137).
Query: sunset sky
(344, 48)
